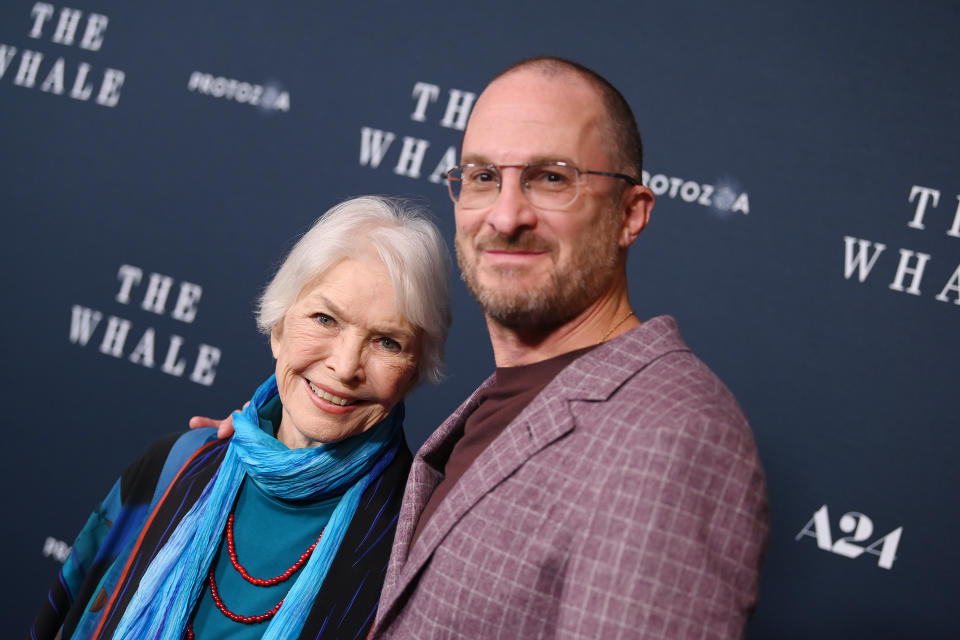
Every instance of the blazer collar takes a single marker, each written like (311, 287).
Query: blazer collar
(593, 376)
(597, 374)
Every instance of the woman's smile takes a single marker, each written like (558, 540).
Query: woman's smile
(345, 354)
(341, 401)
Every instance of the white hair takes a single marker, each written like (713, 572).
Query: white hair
(412, 250)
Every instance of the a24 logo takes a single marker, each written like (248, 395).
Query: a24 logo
(860, 529)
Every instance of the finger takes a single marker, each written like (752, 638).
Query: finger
(199, 422)
(225, 427)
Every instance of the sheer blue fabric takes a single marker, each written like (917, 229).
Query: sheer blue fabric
(165, 598)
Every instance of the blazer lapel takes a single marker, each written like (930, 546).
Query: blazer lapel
(593, 377)
(544, 420)
(422, 481)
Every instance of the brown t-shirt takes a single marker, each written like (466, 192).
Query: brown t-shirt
(512, 390)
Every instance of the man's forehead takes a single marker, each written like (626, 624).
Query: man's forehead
(537, 92)
(527, 116)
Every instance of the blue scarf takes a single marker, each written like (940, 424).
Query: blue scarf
(168, 592)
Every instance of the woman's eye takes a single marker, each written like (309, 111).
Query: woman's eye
(390, 344)
(324, 319)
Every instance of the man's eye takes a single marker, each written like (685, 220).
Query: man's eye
(324, 319)
(480, 176)
(548, 178)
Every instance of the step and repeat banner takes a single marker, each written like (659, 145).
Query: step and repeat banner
(156, 163)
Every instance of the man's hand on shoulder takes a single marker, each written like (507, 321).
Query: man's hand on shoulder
(224, 426)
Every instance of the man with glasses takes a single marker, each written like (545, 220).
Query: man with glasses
(603, 483)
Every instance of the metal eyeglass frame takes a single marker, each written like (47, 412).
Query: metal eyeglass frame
(524, 184)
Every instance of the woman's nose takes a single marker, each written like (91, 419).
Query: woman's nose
(346, 360)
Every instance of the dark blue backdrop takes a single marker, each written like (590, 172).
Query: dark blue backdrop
(787, 143)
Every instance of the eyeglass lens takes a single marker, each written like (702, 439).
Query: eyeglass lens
(546, 185)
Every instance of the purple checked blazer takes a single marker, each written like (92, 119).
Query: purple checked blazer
(625, 501)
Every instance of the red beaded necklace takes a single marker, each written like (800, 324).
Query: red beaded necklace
(260, 582)
(232, 552)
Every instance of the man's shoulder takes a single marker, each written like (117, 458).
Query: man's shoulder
(650, 379)
(628, 359)
(628, 353)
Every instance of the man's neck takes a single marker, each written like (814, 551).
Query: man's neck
(605, 319)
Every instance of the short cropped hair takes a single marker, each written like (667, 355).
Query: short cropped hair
(623, 133)
(412, 250)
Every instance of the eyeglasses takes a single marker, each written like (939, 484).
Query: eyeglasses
(547, 185)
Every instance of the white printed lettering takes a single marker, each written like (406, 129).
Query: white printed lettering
(157, 291)
(741, 204)
(860, 526)
(690, 191)
(925, 194)
(115, 336)
(904, 268)
(67, 26)
(187, 302)
(205, 369)
(411, 157)
(447, 162)
(170, 363)
(81, 90)
(54, 81)
(27, 73)
(818, 527)
(41, 12)
(953, 231)
(143, 353)
(458, 108)
(861, 262)
(93, 35)
(675, 186)
(129, 277)
(373, 146)
(706, 192)
(952, 285)
(83, 322)
(425, 93)
(6, 55)
(110, 89)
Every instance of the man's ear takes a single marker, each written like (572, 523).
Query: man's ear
(637, 203)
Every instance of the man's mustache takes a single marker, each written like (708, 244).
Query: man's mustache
(524, 241)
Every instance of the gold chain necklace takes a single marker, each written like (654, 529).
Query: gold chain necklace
(614, 328)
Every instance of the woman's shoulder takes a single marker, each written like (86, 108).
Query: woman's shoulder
(156, 467)
(402, 461)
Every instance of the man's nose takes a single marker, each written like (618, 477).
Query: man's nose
(511, 211)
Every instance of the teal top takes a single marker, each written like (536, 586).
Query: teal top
(269, 534)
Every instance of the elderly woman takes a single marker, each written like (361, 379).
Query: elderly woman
(284, 530)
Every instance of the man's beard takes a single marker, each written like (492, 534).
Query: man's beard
(569, 290)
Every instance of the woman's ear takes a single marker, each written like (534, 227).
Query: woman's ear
(276, 338)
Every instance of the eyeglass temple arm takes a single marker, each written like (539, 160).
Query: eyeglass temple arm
(623, 176)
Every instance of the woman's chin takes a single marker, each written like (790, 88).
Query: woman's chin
(297, 438)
